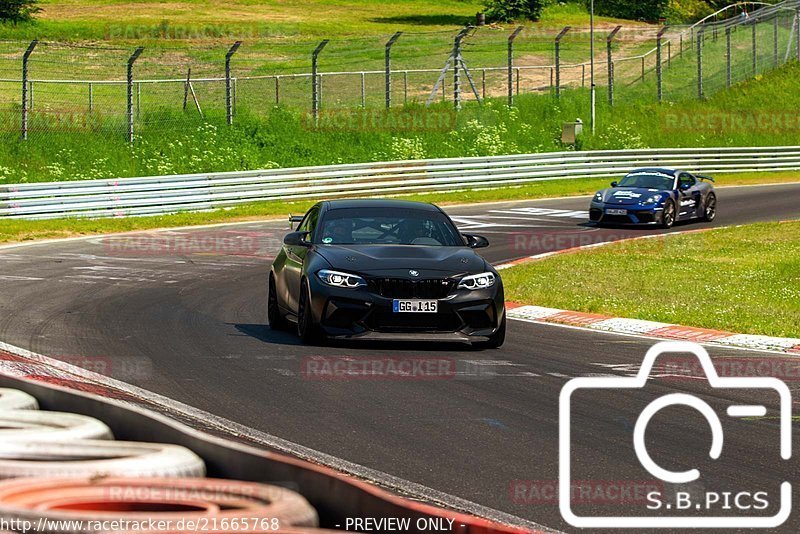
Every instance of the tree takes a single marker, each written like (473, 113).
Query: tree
(510, 10)
(18, 10)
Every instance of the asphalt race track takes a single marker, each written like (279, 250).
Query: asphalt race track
(183, 312)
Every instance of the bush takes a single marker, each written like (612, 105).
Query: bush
(511, 10)
(648, 10)
(17, 10)
(683, 11)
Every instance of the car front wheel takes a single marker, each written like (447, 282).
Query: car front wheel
(668, 215)
(276, 320)
(710, 208)
(307, 329)
(496, 340)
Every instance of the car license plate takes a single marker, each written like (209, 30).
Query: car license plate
(616, 212)
(415, 306)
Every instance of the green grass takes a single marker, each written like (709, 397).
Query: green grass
(744, 279)
(206, 19)
(172, 142)
(19, 230)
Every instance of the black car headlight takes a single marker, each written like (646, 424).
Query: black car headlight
(477, 281)
(598, 197)
(339, 279)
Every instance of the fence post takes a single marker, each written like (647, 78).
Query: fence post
(609, 53)
(755, 49)
(511, 64)
(363, 90)
(775, 60)
(91, 97)
(315, 85)
(659, 72)
(700, 36)
(797, 33)
(277, 90)
(131, 61)
(228, 88)
(680, 52)
(729, 59)
(457, 68)
(388, 65)
(558, 59)
(25, 58)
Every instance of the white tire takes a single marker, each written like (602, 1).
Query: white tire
(32, 425)
(13, 399)
(19, 459)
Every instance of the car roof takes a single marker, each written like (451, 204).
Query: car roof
(378, 203)
(662, 170)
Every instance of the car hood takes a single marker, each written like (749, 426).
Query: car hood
(629, 195)
(398, 260)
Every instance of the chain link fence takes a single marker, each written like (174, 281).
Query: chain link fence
(57, 87)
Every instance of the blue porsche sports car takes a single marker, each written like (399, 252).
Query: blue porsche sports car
(657, 197)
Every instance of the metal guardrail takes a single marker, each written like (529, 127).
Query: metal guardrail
(195, 192)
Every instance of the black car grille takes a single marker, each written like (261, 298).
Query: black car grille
(402, 288)
(386, 321)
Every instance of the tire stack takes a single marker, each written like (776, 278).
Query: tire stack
(62, 466)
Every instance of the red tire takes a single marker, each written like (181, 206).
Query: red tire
(142, 499)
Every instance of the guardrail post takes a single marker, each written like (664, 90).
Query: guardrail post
(755, 49)
(511, 38)
(775, 57)
(558, 59)
(700, 63)
(659, 73)
(131, 61)
(610, 57)
(388, 66)
(25, 58)
(228, 85)
(315, 81)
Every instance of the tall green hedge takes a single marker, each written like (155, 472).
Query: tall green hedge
(648, 10)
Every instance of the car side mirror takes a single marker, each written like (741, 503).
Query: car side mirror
(296, 239)
(614, 184)
(685, 187)
(476, 241)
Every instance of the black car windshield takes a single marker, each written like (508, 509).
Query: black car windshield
(388, 226)
(647, 180)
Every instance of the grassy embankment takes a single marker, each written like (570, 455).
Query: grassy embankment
(744, 279)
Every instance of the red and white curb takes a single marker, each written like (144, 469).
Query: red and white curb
(620, 325)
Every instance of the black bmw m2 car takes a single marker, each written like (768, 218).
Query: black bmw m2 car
(659, 197)
(385, 269)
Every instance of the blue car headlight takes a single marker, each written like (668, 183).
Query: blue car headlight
(655, 199)
(339, 279)
(477, 281)
(598, 197)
